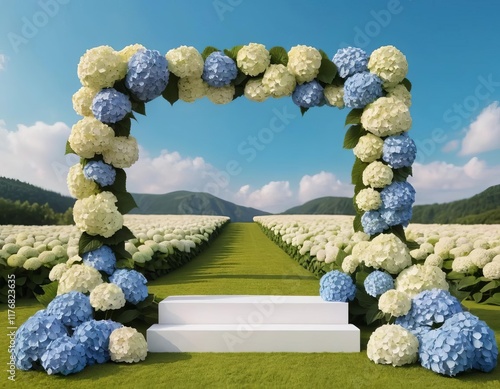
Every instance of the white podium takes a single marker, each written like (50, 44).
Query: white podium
(231, 323)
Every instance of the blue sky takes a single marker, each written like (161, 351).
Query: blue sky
(225, 150)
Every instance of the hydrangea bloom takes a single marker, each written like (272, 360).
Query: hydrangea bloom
(147, 74)
(110, 106)
(255, 91)
(389, 64)
(392, 344)
(253, 59)
(480, 257)
(100, 67)
(368, 199)
(361, 89)
(444, 245)
(350, 60)
(394, 303)
(369, 148)
(132, 283)
(399, 151)
(127, 345)
(463, 265)
(122, 152)
(434, 260)
(80, 186)
(219, 70)
(89, 137)
(337, 286)
(395, 217)
(185, 61)
(192, 89)
(79, 278)
(100, 172)
(399, 194)
(64, 356)
(373, 223)
(102, 259)
(377, 175)
(309, 94)
(72, 308)
(33, 337)
(57, 271)
(401, 93)
(98, 214)
(82, 101)
(386, 116)
(32, 263)
(278, 81)
(107, 296)
(350, 264)
(129, 51)
(387, 252)
(418, 278)
(492, 270)
(334, 95)
(378, 282)
(221, 95)
(304, 63)
(94, 336)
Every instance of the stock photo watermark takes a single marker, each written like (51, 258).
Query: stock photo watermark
(11, 325)
(222, 7)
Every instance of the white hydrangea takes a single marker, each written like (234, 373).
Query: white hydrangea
(107, 296)
(255, 91)
(419, 254)
(377, 175)
(496, 258)
(127, 345)
(394, 303)
(74, 259)
(368, 199)
(122, 152)
(386, 116)
(480, 257)
(369, 148)
(389, 64)
(192, 89)
(89, 137)
(334, 95)
(16, 260)
(492, 270)
(391, 344)
(185, 61)
(80, 186)
(427, 247)
(253, 59)
(129, 51)
(350, 264)
(388, 252)
(418, 278)
(57, 271)
(278, 81)
(221, 95)
(98, 214)
(80, 278)
(82, 101)
(481, 244)
(460, 251)
(32, 263)
(434, 260)
(304, 63)
(100, 67)
(360, 251)
(443, 246)
(400, 92)
(463, 265)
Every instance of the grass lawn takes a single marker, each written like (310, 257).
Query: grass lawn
(243, 261)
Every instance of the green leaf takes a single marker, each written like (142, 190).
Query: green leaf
(467, 282)
(240, 79)
(354, 117)
(356, 224)
(128, 316)
(373, 314)
(147, 302)
(278, 56)
(490, 285)
(352, 136)
(89, 243)
(119, 236)
(357, 171)
(407, 84)
(477, 297)
(233, 53)
(125, 263)
(125, 202)
(171, 92)
(453, 275)
(139, 107)
(120, 184)
(327, 71)
(120, 252)
(122, 128)
(461, 296)
(412, 245)
(49, 293)
(69, 150)
(402, 173)
(303, 110)
(399, 231)
(340, 258)
(494, 300)
(20, 281)
(208, 50)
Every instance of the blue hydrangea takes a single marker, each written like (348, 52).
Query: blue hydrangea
(361, 89)
(132, 283)
(94, 336)
(64, 356)
(102, 259)
(33, 337)
(378, 282)
(110, 106)
(397, 195)
(395, 217)
(219, 70)
(100, 172)
(147, 75)
(71, 308)
(373, 223)
(309, 94)
(337, 286)
(350, 60)
(399, 151)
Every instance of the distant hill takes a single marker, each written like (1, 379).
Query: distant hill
(324, 206)
(191, 203)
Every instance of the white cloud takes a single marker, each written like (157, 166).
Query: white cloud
(276, 196)
(3, 61)
(452, 145)
(322, 184)
(484, 133)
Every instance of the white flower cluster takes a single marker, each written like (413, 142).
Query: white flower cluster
(100, 67)
(57, 271)
(304, 63)
(369, 148)
(82, 101)
(385, 251)
(127, 345)
(89, 137)
(192, 89)
(98, 214)
(80, 278)
(128, 51)
(107, 296)
(368, 199)
(392, 344)
(386, 116)
(255, 91)
(418, 278)
(278, 81)
(394, 303)
(80, 186)
(253, 59)
(220, 95)
(122, 152)
(334, 95)
(389, 64)
(377, 175)
(399, 92)
(492, 270)
(185, 61)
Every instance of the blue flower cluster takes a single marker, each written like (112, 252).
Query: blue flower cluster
(397, 200)
(33, 337)
(94, 336)
(350, 60)
(378, 282)
(100, 172)
(394, 217)
(308, 94)
(219, 70)
(71, 308)
(362, 89)
(132, 283)
(102, 259)
(147, 75)
(373, 223)
(64, 356)
(399, 151)
(110, 106)
(337, 286)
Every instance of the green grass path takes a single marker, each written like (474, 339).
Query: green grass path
(243, 261)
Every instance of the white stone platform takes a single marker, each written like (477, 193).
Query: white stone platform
(252, 324)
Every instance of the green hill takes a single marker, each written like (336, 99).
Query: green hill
(324, 206)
